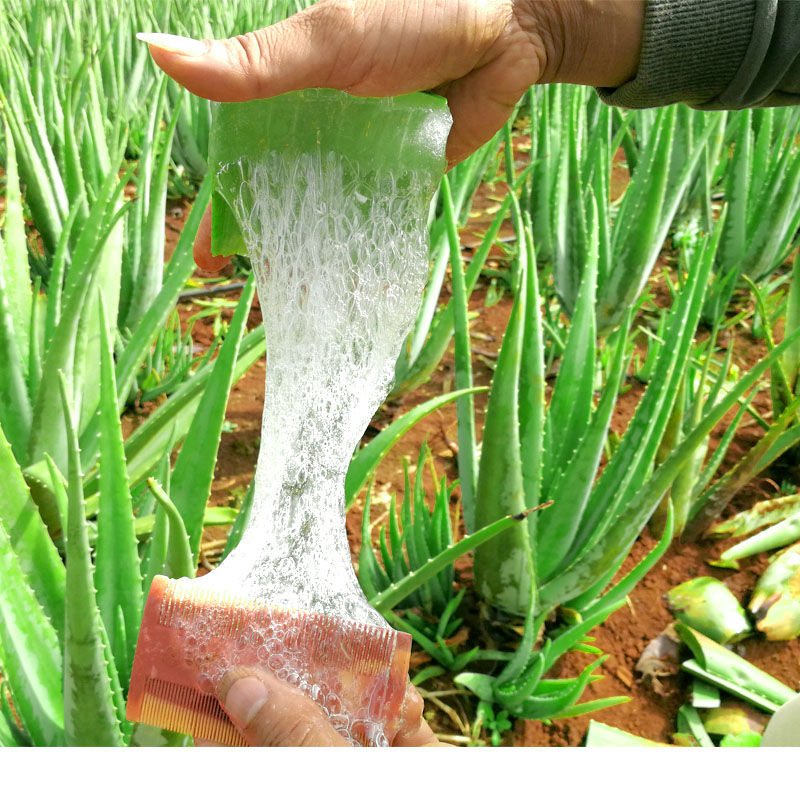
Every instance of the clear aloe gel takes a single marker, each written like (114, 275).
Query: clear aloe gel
(328, 195)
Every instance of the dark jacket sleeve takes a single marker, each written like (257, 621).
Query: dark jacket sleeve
(715, 54)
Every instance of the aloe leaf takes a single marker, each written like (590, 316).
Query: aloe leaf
(569, 212)
(56, 281)
(780, 388)
(370, 575)
(368, 457)
(504, 569)
(30, 657)
(644, 220)
(154, 557)
(636, 228)
(743, 739)
(150, 275)
(10, 735)
(764, 120)
(142, 238)
(441, 653)
(791, 360)
(44, 190)
(37, 555)
(594, 600)
(767, 512)
(16, 272)
(240, 523)
(532, 401)
(90, 716)
(179, 561)
(465, 405)
(733, 244)
(717, 457)
(194, 469)
(517, 681)
(704, 695)
(15, 407)
(482, 686)
(590, 707)
(117, 572)
(107, 285)
(58, 484)
(571, 403)
(775, 218)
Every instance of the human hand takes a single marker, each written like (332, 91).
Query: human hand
(481, 55)
(271, 713)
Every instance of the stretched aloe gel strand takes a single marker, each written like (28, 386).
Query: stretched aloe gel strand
(330, 195)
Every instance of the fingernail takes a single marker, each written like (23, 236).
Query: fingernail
(244, 700)
(182, 45)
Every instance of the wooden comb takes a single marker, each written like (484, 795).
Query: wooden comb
(190, 637)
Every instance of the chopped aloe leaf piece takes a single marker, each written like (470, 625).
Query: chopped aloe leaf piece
(708, 606)
(602, 735)
(704, 695)
(744, 739)
(767, 512)
(733, 717)
(689, 722)
(717, 665)
(785, 532)
(776, 599)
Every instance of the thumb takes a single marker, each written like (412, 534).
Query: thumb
(270, 713)
(297, 53)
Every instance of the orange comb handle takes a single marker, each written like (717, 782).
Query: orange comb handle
(190, 637)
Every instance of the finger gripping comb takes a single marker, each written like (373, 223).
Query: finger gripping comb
(191, 637)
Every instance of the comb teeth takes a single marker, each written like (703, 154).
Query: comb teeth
(180, 708)
(336, 642)
(356, 672)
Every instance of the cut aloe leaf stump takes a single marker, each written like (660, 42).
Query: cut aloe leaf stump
(372, 132)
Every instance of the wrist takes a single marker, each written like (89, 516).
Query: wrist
(589, 42)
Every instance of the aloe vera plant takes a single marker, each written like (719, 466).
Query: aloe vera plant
(533, 451)
(761, 191)
(88, 608)
(422, 531)
(568, 193)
